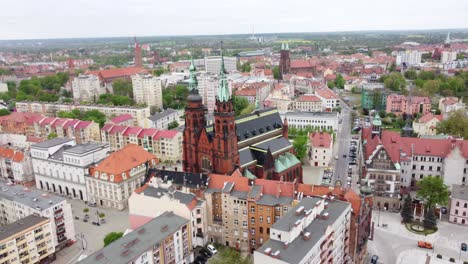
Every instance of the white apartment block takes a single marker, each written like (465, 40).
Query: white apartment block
(320, 120)
(316, 231)
(86, 88)
(208, 90)
(28, 240)
(213, 64)
(409, 57)
(162, 119)
(448, 56)
(50, 109)
(17, 202)
(149, 202)
(60, 166)
(147, 89)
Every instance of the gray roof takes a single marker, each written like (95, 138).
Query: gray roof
(84, 148)
(271, 200)
(274, 144)
(35, 199)
(162, 114)
(228, 187)
(158, 192)
(129, 247)
(52, 143)
(299, 247)
(239, 194)
(460, 192)
(255, 191)
(20, 225)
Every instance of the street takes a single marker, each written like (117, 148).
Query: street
(343, 139)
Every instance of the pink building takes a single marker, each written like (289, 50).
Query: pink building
(459, 205)
(399, 104)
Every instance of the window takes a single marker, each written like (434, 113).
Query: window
(422, 167)
(260, 229)
(252, 242)
(438, 168)
(260, 219)
(245, 233)
(244, 223)
(430, 168)
(252, 209)
(252, 220)
(244, 212)
(414, 167)
(465, 205)
(252, 231)
(236, 211)
(268, 220)
(456, 212)
(236, 222)
(458, 204)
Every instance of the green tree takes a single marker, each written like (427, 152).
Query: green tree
(102, 215)
(159, 71)
(456, 124)
(430, 220)
(276, 74)
(121, 100)
(246, 67)
(173, 125)
(249, 109)
(392, 67)
(395, 81)
(431, 87)
(339, 81)
(4, 112)
(123, 87)
(111, 237)
(4, 71)
(407, 210)
(411, 74)
(51, 135)
(433, 191)
(300, 146)
(240, 103)
(85, 210)
(382, 114)
(331, 84)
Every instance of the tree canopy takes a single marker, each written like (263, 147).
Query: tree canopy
(123, 87)
(111, 237)
(114, 99)
(173, 125)
(433, 191)
(407, 210)
(456, 124)
(175, 97)
(91, 115)
(4, 112)
(240, 103)
(275, 71)
(394, 81)
(45, 89)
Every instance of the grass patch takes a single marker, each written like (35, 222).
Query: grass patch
(416, 228)
(227, 255)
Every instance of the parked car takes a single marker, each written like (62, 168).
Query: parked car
(374, 259)
(424, 244)
(212, 249)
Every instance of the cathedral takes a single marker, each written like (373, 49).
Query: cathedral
(257, 144)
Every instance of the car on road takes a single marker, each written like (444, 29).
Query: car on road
(374, 259)
(212, 249)
(424, 244)
(344, 155)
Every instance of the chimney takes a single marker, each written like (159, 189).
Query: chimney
(299, 210)
(267, 251)
(276, 255)
(325, 216)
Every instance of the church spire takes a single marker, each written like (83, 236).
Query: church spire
(193, 82)
(223, 89)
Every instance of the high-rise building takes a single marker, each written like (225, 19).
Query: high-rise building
(86, 87)
(408, 57)
(448, 56)
(213, 64)
(147, 89)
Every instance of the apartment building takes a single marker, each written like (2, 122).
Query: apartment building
(448, 105)
(208, 89)
(408, 57)
(448, 56)
(410, 105)
(122, 120)
(308, 103)
(164, 239)
(81, 131)
(17, 202)
(426, 125)
(328, 97)
(242, 210)
(148, 202)
(166, 144)
(147, 89)
(60, 165)
(459, 205)
(320, 151)
(213, 64)
(16, 166)
(28, 240)
(86, 87)
(111, 182)
(319, 120)
(51, 109)
(18, 141)
(316, 230)
(162, 119)
(19, 123)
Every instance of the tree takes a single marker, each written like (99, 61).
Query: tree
(430, 220)
(407, 210)
(300, 146)
(331, 84)
(4, 112)
(456, 124)
(102, 215)
(240, 103)
(172, 125)
(411, 74)
(85, 210)
(123, 87)
(339, 81)
(392, 67)
(431, 87)
(433, 191)
(395, 81)
(111, 237)
(246, 67)
(276, 72)
(51, 135)
(249, 109)
(382, 114)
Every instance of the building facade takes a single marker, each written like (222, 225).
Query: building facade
(374, 99)
(308, 103)
(408, 57)
(410, 105)
(426, 125)
(86, 88)
(213, 64)
(147, 89)
(459, 205)
(319, 120)
(162, 119)
(113, 180)
(321, 149)
(80, 131)
(16, 166)
(449, 105)
(60, 165)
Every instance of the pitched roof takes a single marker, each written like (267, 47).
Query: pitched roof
(246, 92)
(308, 98)
(320, 139)
(166, 134)
(121, 118)
(300, 64)
(20, 117)
(132, 131)
(326, 93)
(117, 72)
(428, 117)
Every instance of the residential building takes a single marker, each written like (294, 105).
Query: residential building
(16, 165)
(321, 149)
(316, 230)
(183, 181)
(241, 209)
(448, 105)
(427, 124)
(410, 105)
(162, 119)
(249, 94)
(308, 103)
(165, 239)
(122, 120)
(18, 141)
(408, 57)
(107, 76)
(28, 240)
(60, 165)
(319, 120)
(448, 56)
(374, 99)
(328, 97)
(111, 182)
(208, 89)
(148, 202)
(86, 87)
(19, 123)
(165, 144)
(51, 109)
(459, 205)
(81, 131)
(147, 89)
(17, 202)
(213, 64)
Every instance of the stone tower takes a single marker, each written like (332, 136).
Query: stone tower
(285, 61)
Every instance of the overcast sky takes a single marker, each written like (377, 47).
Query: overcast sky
(29, 19)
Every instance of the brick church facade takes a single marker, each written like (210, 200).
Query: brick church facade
(257, 144)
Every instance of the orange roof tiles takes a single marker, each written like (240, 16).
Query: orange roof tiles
(326, 93)
(117, 72)
(320, 139)
(15, 156)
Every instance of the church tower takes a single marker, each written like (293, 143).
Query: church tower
(195, 122)
(285, 61)
(138, 61)
(376, 125)
(226, 154)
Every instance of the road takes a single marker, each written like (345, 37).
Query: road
(343, 139)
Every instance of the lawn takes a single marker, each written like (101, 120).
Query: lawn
(416, 228)
(227, 255)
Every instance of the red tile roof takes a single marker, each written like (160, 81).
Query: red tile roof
(308, 98)
(320, 139)
(117, 72)
(118, 129)
(166, 134)
(20, 117)
(34, 139)
(330, 77)
(71, 123)
(246, 92)
(428, 117)
(300, 64)
(148, 132)
(107, 127)
(59, 122)
(121, 118)
(326, 93)
(15, 156)
(83, 124)
(276, 188)
(133, 131)
(217, 181)
(450, 101)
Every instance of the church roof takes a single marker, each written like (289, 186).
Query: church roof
(259, 122)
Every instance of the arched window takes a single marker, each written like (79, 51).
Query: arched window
(206, 163)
